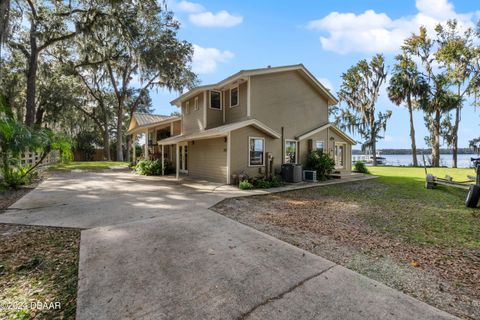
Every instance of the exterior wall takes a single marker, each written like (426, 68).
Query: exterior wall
(328, 147)
(287, 100)
(214, 116)
(240, 151)
(238, 113)
(207, 159)
(193, 120)
(177, 128)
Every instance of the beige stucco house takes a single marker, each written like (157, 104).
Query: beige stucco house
(249, 123)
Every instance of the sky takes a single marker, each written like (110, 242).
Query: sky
(327, 36)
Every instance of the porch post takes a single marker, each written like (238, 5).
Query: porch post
(146, 145)
(134, 155)
(177, 161)
(163, 161)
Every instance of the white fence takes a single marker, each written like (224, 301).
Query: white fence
(30, 158)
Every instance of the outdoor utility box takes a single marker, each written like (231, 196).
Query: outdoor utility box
(292, 172)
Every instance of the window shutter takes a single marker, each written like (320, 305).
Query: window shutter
(310, 146)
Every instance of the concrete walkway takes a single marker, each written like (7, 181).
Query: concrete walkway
(155, 251)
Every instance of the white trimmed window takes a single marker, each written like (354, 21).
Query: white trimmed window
(216, 100)
(318, 145)
(187, 107)
(291, 147)
(256, 151)
(234, 98)
(195, 104)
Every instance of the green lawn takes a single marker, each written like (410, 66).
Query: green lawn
(401, 205)
(90, 165)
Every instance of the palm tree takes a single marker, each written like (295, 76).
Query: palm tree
(407, 86)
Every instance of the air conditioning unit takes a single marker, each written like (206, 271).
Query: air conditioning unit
(310, 175)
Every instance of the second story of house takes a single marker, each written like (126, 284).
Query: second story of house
(288, 99)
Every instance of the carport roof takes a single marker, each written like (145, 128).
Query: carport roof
(146, 120)
(221, 131)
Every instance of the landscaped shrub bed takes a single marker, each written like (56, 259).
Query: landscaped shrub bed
(153, 168)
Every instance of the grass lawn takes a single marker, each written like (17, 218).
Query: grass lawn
(436, 216)
(425, 243)
(88, 165)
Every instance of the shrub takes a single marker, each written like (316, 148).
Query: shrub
(152, 168)
(264, 183)
(18, 176)
(321, 163)
(360, 167)
(245, 185)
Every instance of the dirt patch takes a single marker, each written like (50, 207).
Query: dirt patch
(38, 268)
(9, 197)
(340, 230)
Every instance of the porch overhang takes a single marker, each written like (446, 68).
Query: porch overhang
(221, 131)
(324, 127)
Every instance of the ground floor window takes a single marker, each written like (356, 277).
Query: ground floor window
(291, 148)
(318, 145)
(256, 155)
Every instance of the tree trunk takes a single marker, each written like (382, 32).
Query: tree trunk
(412, 133)
(106, 145)
(373, 143)
(39, 117)
(455, 133)
(31, 87)
(120, 135)
(436, 140)
(31, 77)
(129, 150)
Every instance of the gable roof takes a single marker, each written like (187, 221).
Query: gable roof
(323, 127)
(144, 120)
(253, 72)
(221, 131)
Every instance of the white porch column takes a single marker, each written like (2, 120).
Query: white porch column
(134, 155)
(146, 145)
(163, 161)
(229, 147)
(177, 161)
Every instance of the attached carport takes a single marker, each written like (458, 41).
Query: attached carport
(210, 151)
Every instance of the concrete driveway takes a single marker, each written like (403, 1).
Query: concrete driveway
(155, 251)
(90, 199)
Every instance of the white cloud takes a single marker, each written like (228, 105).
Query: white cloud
(377, 32)
(205, 60)
(220, 19)
(190, 7)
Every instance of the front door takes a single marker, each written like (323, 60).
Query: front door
(340, 155)
(183, 157)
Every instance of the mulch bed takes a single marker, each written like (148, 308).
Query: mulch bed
(333, 228)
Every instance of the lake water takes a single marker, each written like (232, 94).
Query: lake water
(445, 160)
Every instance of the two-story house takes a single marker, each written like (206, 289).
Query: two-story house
(253, 122)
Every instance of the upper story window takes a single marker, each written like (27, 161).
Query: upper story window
(195, 104)
(187, 107)
(216, 100)
(234, 97)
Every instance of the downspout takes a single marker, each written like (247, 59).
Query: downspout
(283, 145)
